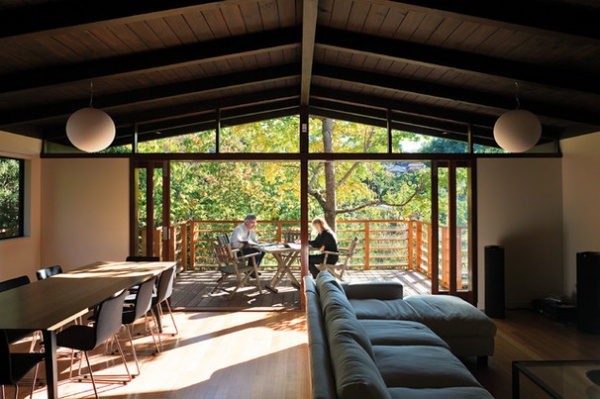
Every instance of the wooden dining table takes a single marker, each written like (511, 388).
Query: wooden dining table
(49, 304)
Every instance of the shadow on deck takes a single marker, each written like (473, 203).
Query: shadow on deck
(192, 290)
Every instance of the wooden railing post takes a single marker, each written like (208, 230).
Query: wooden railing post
(192, 244)
(184, 247)
(367, 245)
(411, 246)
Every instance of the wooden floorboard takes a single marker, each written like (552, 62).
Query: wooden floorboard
(251, 354)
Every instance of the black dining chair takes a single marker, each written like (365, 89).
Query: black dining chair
(15, 366)
(44, 273)
(161, 297)
(142, 258)
(105, 326)
(137, 306)
(17, 335)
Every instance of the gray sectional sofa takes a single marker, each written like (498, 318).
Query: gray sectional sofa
(376, 357)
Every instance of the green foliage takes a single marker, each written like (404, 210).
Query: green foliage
(10, 195)
(364, 190)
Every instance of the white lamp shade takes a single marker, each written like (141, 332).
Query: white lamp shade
(517, 131)
(90, 129)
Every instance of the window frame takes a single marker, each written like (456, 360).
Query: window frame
(21, 211)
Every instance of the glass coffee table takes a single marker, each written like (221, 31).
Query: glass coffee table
(559, 378)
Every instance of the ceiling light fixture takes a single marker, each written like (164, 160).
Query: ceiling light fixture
(90, 129)
(517, 130)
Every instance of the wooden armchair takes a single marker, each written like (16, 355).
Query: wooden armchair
(232, 263)
(345, 255)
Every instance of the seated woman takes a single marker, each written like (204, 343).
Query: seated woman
(325, 241)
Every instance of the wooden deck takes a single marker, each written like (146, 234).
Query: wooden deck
(192, 290)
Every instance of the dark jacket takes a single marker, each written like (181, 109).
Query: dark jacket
(326, 241)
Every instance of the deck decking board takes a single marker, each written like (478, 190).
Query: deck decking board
(192, 290)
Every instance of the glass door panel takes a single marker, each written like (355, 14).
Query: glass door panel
(150, 215)
(453, 272)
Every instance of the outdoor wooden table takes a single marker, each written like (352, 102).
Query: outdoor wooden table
(49, 304)
(285, 254)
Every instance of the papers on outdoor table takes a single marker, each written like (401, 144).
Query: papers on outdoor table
(291, 245)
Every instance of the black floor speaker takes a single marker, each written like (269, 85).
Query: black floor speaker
(588, 292)
(494, 281)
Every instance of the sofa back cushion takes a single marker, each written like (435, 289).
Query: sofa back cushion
(322, 381)
(356, 374)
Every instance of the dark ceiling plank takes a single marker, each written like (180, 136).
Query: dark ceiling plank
(357, 43)
(152, 94)
(64, 15)
(152, 60)
(309, 27)
(470, 97)
(537, 16)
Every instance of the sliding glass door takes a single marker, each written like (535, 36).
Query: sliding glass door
(150, 209)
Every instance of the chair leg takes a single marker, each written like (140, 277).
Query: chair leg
(35, 374)
(116, 338)
(87, 360)
(133, 351)
(172, 317)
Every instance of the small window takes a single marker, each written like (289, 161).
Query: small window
(11, 197)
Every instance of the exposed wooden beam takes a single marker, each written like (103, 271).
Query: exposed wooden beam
(536, 16)
(392, 49)
(173, 57)
(64, 15)
(248, 79)
(309, 27)
(490, 101)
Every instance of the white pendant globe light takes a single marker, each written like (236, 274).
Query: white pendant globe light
(90, 129)
(517, 131)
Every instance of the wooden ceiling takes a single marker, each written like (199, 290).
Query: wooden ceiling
(166, 68)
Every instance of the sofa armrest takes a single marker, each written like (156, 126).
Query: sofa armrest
(384, 290)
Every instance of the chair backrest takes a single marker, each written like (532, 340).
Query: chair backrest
(165, 284)
(350, 252)
(221, 254)
(43, 274)
(140, 258)
(14, 283)
(225, 256)
(291, 236)
(108, 318)
(143, 298)
(223, 239)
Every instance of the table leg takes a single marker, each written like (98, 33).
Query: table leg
(50, 362)
(516, 385)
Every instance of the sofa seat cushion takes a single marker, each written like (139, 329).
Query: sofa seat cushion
(421, 366)
(443, 393)
(400, 332)
(451, 315)
(446, 315)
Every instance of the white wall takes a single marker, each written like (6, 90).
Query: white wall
(520, 208)
(581, 197)
(21, 255)
(85, 211)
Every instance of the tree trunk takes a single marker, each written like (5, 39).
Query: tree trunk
(330, 183)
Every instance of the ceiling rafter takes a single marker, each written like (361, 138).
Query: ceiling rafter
(65, 15)
(173, 57)
(393, 49)
(537, 16)
(249, 78)
(477, 98)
